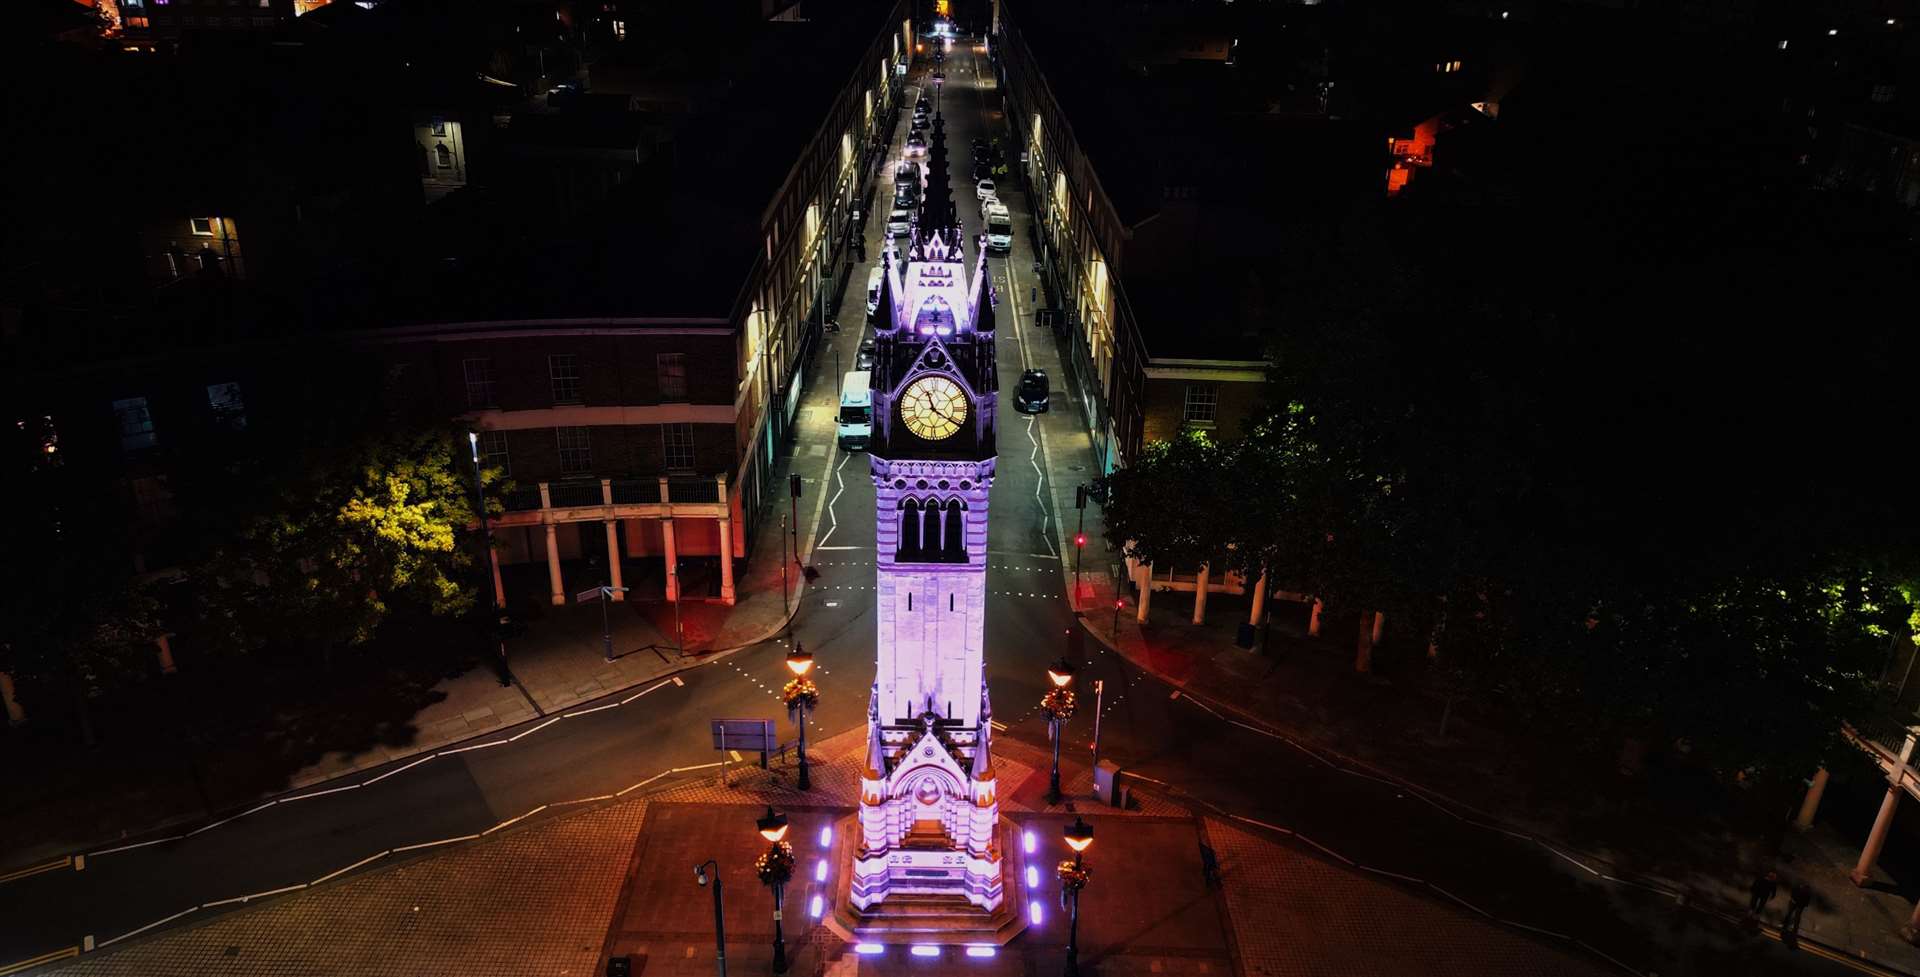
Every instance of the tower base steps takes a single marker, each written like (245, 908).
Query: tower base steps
(933, 917)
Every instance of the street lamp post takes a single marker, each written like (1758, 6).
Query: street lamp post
(719, 914)
(1073, 878)
(1058, 705)
(801, 697)
(775, 867)
(486, 564)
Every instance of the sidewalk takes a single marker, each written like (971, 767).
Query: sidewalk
(1305, 690)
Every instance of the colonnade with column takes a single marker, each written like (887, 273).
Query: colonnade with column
(1145, 580)
(549, 518)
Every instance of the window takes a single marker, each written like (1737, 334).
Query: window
(480, 383)
(620, 29)
(564, 370)
(673, 376)
(493, 451)
(576, 450)
(1203, 402)
(200, 226)
(1882, 94)
(439, 127)
(136, 424)
(677, 439)
(444, 156)
(229, 408)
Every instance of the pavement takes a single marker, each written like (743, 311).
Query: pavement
(560, 896)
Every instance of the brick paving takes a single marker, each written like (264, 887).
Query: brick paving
(533, 900)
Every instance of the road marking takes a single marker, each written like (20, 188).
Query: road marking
(536, 729)
(432, 844)
(820, 502)
(735, 754)
(820, 549)
(64, 953)
(253, 896)
(336, 873)
(517, 820)
(57, 863)
(143, 929)
(390, 773)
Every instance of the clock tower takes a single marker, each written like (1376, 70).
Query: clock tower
(929, 817)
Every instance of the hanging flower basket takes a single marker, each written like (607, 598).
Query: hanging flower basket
(1073, 876)
(776, 866)
(799, 692)
(1058, 705)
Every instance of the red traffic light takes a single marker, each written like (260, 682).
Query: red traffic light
(1119, 602)
(1080, 539)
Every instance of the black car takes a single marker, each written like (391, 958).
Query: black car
(1030, 397)
(863, 360)
(981, 171)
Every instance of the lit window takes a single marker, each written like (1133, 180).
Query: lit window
(620, 29)
(201, 226)
(677, 439)
(1203, 403)
(564, 370)
(136, 424)
(673, 376)
(481, 389)
(229, 408)
(1783, 45)
(493, 451)
(576, 450)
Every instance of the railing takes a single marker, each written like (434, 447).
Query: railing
(693, 490)
(638, 492)
(571, 495)
(523, 498)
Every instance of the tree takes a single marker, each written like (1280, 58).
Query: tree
(1173, 505)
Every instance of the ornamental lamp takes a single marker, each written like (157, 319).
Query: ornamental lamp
(799, 660)
(773, 827)
(1061, 672)
(1079, 834)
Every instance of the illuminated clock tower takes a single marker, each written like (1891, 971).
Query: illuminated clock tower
(930, 815)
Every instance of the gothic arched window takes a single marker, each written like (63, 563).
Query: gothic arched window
(909, 551)
(953, 548)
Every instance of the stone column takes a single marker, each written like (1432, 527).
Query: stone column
(727, 593)
(613, 541)
(1313, 620)
(15, 714)
(673, 559)
(167, 667)
(1200, 593)
(1811, 805)
(1146, 593)
(499, 589)
(1882, 822)
(559, 592)
(1259, 600)
(1369, 633)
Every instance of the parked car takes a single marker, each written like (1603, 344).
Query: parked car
(916, 145)
(983, 189)
(1030, 397)
(982, 171)
(863, 360)
(919, 124)
(899, 222)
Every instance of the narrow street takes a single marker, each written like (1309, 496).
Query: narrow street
(661, 734)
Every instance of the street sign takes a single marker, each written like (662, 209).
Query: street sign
(597, 593)
(744, 734)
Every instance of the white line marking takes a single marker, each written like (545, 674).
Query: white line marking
(335, 790)
(636, 695)
(643, 783)
(678, 682)
(584, 800)
(476, 746)
(143, 929)
(336, 873)
(1263, 824)
(535, 729)
(836, 549)
(735, 754)
(1324, 848)
(404, 769)
(137, 844)
(1397, 875)
(1459, 900)
(430, 844)
(582, 712)
(703, 766)
(250, 898)
(517, 820)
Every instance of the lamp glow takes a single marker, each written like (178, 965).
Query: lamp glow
(799, 660)
(981, 950)
(924, 950)
(1079, 834)
(869, 949)
(826, 836)
(773, 827)
(1033, 876)
(816, 907)
(1027, 842)
(1061, 673)
(820, 870)
(1033, 911)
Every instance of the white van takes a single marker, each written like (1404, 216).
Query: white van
(855, 425)
(873, 289)
(999, 227)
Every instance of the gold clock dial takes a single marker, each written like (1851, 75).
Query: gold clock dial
(933, 407)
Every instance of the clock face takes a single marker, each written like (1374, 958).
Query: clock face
(933, 407)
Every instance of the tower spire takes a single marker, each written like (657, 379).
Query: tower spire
(937, 213)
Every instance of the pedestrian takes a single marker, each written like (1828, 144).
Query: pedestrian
(1763, 888)
(1798, 899)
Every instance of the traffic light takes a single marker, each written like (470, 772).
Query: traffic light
(1080, 496)
(793, 484)
(1079, 539)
